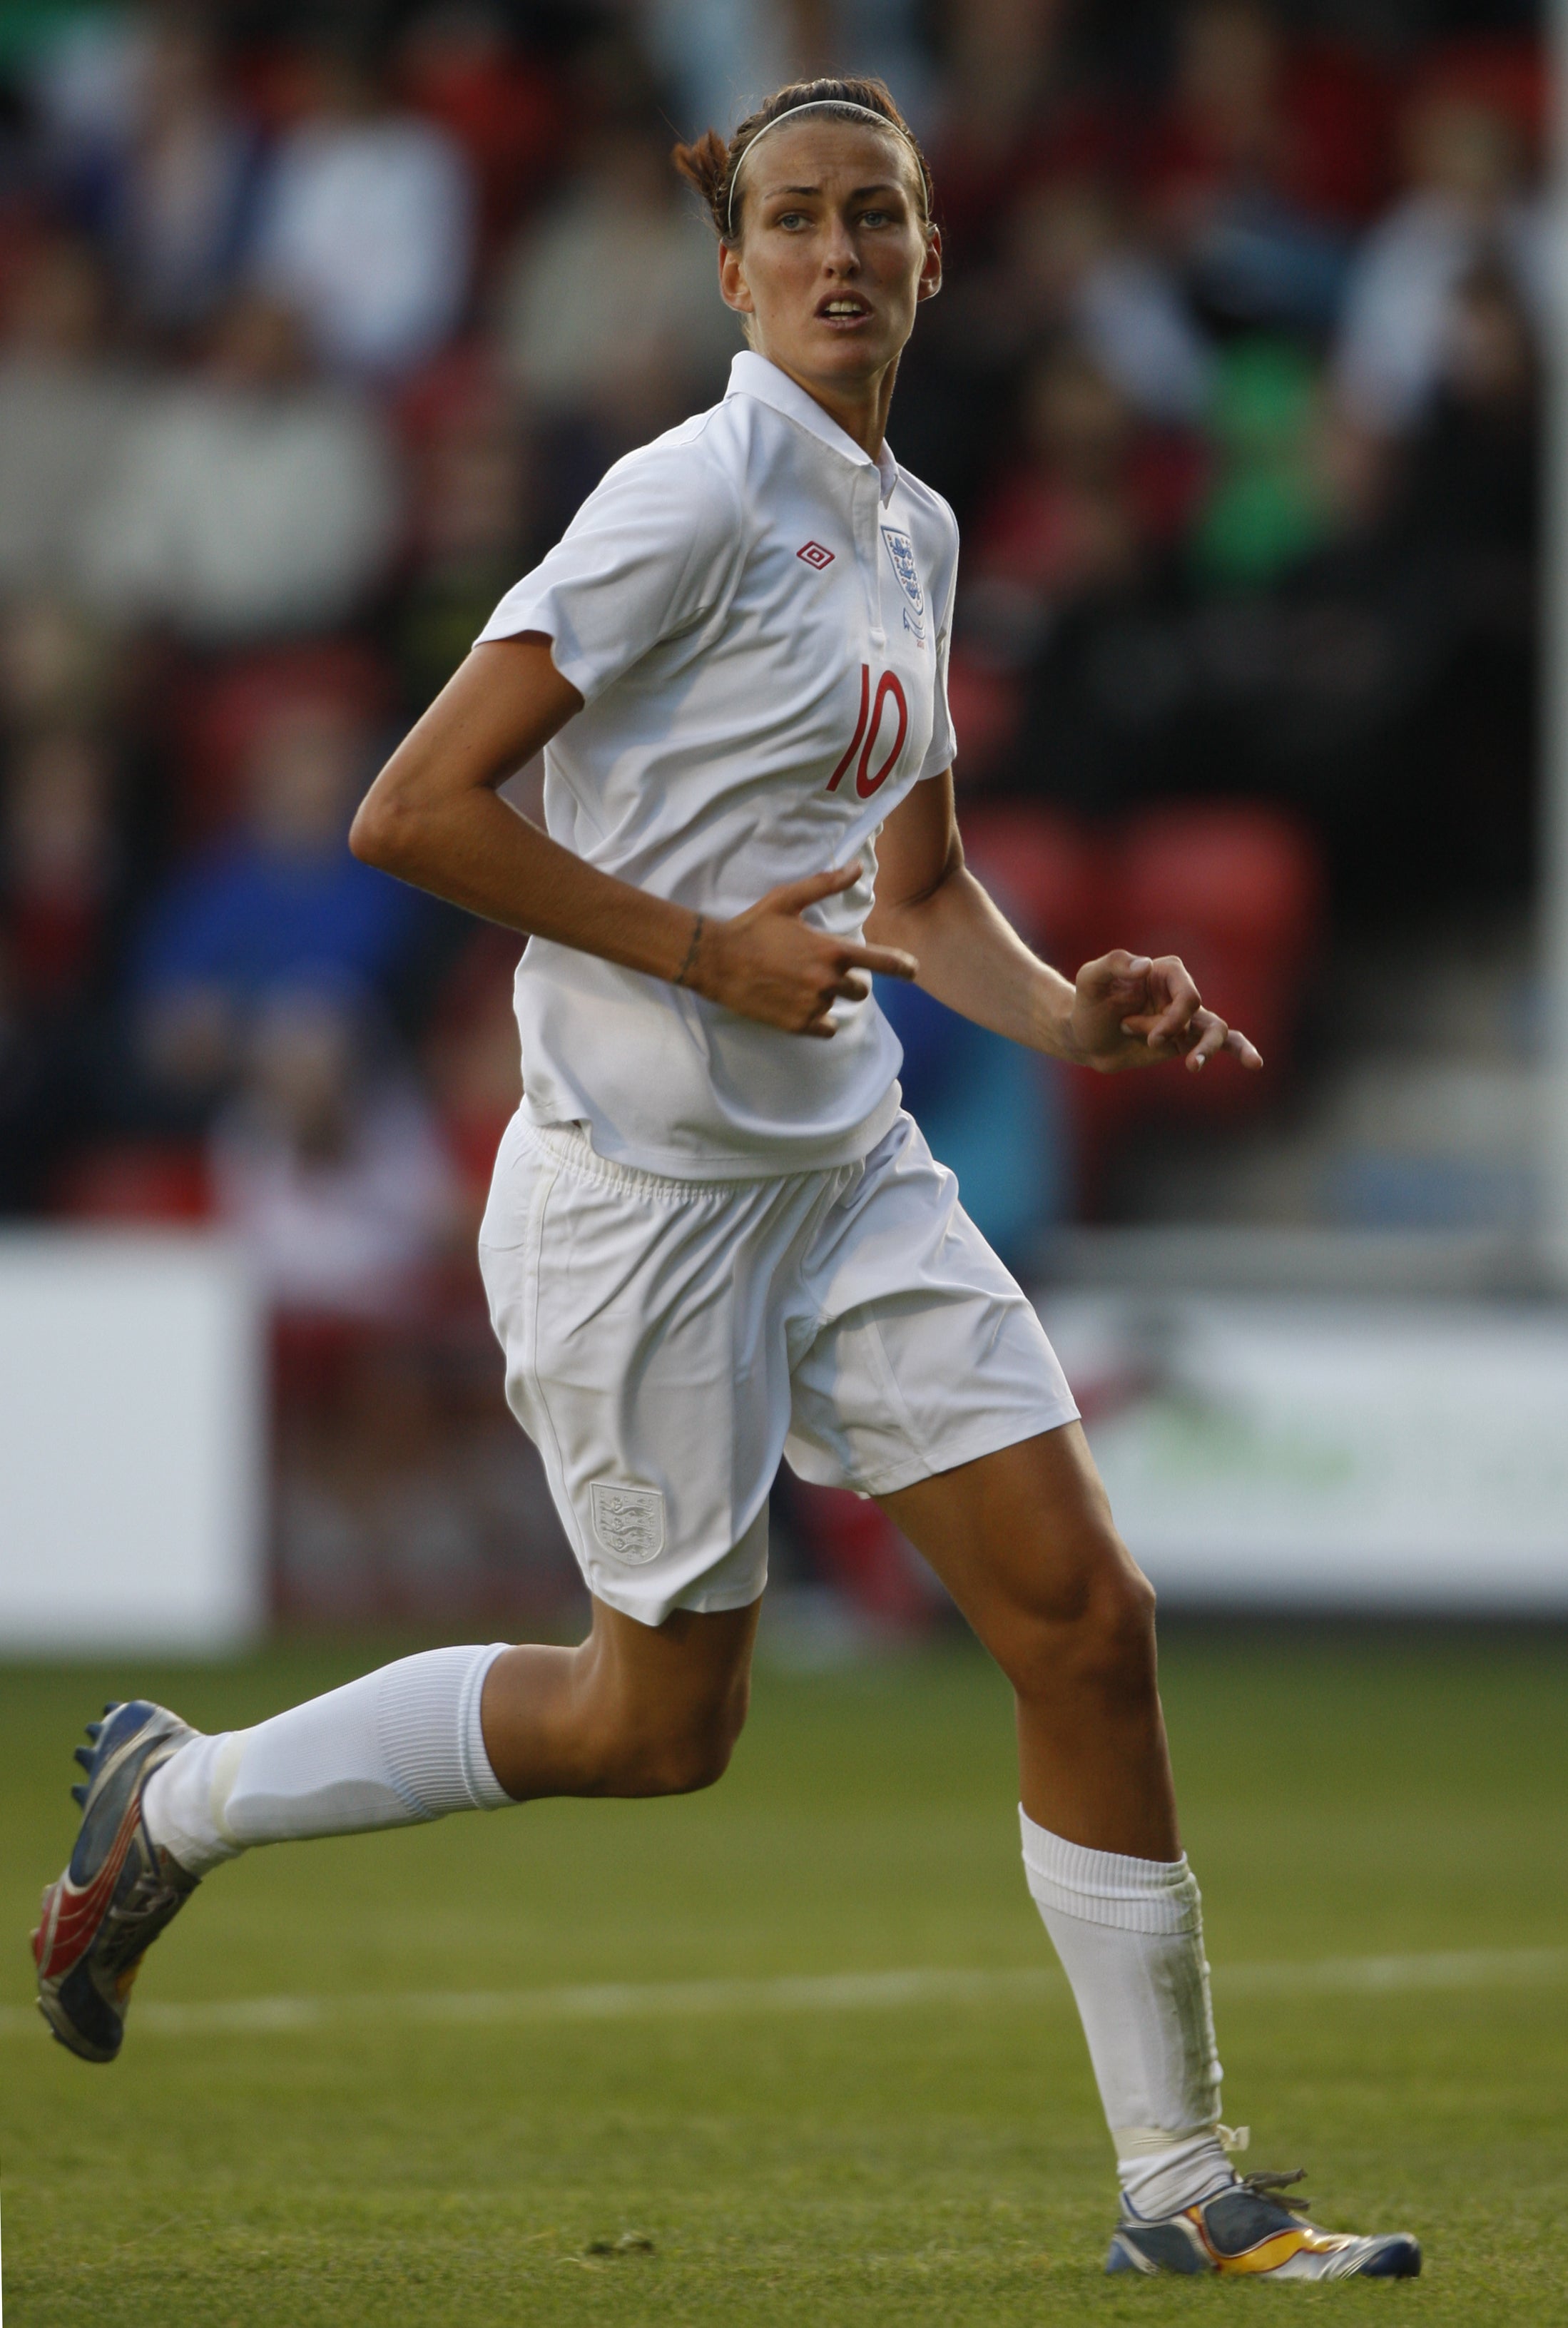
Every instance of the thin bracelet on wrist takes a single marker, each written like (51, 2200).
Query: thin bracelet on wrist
(685, 969)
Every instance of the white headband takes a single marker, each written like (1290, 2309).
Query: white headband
(817, 105)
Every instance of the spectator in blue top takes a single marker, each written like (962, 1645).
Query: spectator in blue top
(278, 902)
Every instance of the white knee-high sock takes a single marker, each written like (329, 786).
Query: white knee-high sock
(399, 1746)
(1130, 1935)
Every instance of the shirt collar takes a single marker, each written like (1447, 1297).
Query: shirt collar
(753, 375)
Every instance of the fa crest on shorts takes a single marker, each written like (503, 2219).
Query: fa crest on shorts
(629, 1521)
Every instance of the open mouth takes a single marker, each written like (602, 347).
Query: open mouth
(844, 310)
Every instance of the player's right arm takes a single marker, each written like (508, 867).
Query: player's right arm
(433, 818)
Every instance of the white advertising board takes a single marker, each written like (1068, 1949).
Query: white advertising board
(1330, 1454)
(131, 1460)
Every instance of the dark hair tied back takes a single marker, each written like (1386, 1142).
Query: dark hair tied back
(710, 166)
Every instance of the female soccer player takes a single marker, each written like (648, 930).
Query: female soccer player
(715, 1238)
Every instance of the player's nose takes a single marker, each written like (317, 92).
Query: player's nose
(839, 255)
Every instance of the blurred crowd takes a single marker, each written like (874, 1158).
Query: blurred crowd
(318, 323)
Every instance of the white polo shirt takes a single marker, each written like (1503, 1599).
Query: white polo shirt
(756, 615)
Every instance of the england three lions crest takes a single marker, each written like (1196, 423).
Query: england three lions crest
(901, 550)
(629, 1521)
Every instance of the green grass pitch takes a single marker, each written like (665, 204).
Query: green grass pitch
(826, 2158)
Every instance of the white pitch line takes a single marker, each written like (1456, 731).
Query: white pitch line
(847, 1992)
(1452, 1968)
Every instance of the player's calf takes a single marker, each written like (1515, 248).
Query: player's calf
(630, 1745)
(635, 1710)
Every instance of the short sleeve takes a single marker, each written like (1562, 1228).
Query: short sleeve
(944, 746)
(651, 551)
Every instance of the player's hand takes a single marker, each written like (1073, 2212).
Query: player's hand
(770, 965)
(1129, 1011)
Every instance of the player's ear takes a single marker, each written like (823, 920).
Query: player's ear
(931, 266)
(733, 287)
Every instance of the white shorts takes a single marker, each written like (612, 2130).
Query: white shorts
(668, 1340)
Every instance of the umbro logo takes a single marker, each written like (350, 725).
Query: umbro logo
(815, 554)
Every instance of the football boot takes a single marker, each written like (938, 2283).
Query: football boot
(1254, 2229)
(120, 1888)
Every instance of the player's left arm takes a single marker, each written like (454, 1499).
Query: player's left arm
(1123, 1011)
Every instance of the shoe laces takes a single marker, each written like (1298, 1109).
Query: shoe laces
(1271, 2184)
(135, 1921)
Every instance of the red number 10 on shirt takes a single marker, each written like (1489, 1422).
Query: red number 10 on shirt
(867, 727)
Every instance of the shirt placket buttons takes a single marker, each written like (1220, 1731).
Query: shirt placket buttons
(868, 510)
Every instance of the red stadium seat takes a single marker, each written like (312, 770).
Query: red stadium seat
(225, 706)
(125, 1182)
(1046, 871)
(985, 705)
(1237, 890)
(1505, 73)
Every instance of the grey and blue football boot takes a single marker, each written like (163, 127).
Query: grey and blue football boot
(1254, 2229)
(120, 1888)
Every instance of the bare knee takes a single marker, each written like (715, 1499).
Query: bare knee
(1092, 1630)
(632, 1710)
(679, 1752)
(685, 1761)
